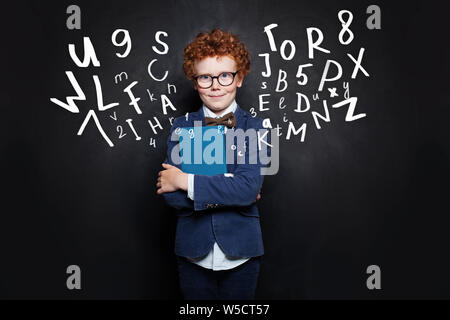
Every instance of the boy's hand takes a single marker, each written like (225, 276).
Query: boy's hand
(258, 196)
(171, 179)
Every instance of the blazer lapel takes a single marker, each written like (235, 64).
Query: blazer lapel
(239, 114)
(197, 116)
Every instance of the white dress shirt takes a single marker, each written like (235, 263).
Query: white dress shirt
(216, 258)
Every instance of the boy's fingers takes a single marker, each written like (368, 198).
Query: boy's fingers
(160, 191)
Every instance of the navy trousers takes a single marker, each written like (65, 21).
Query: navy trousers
(198, 283)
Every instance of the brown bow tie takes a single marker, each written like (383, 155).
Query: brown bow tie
(228, 120)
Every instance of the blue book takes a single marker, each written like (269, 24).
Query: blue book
(203, 150)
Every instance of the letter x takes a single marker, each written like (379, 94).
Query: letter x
(358, 64)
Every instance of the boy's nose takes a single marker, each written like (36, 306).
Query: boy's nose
(216, 84)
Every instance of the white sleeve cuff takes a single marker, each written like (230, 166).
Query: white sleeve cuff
(190, 190)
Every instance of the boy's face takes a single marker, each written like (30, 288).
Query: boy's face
(217, 98)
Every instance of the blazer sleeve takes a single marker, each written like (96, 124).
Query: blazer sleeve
(177, 199)
(240, 190)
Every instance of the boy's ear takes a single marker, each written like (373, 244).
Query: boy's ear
(240, 80)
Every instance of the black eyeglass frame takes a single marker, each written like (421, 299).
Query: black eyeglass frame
(216, 77)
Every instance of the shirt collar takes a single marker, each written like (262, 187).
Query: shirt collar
(231, 108)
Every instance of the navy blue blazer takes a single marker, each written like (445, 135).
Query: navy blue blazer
(223, 209)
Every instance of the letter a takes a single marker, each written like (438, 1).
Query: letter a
(74, 21)
(374, 281)
(74, 280)
(374, 21)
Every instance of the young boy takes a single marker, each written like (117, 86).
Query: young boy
(218, 236)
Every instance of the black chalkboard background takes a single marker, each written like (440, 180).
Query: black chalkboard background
(373, 191)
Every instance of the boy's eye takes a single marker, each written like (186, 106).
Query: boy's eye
(204, 77)
(225, 75)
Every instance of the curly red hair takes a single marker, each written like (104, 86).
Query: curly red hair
(216, 43)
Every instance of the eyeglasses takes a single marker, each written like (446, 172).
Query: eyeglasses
(225, 79)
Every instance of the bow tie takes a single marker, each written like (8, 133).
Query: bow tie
(228, 120)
